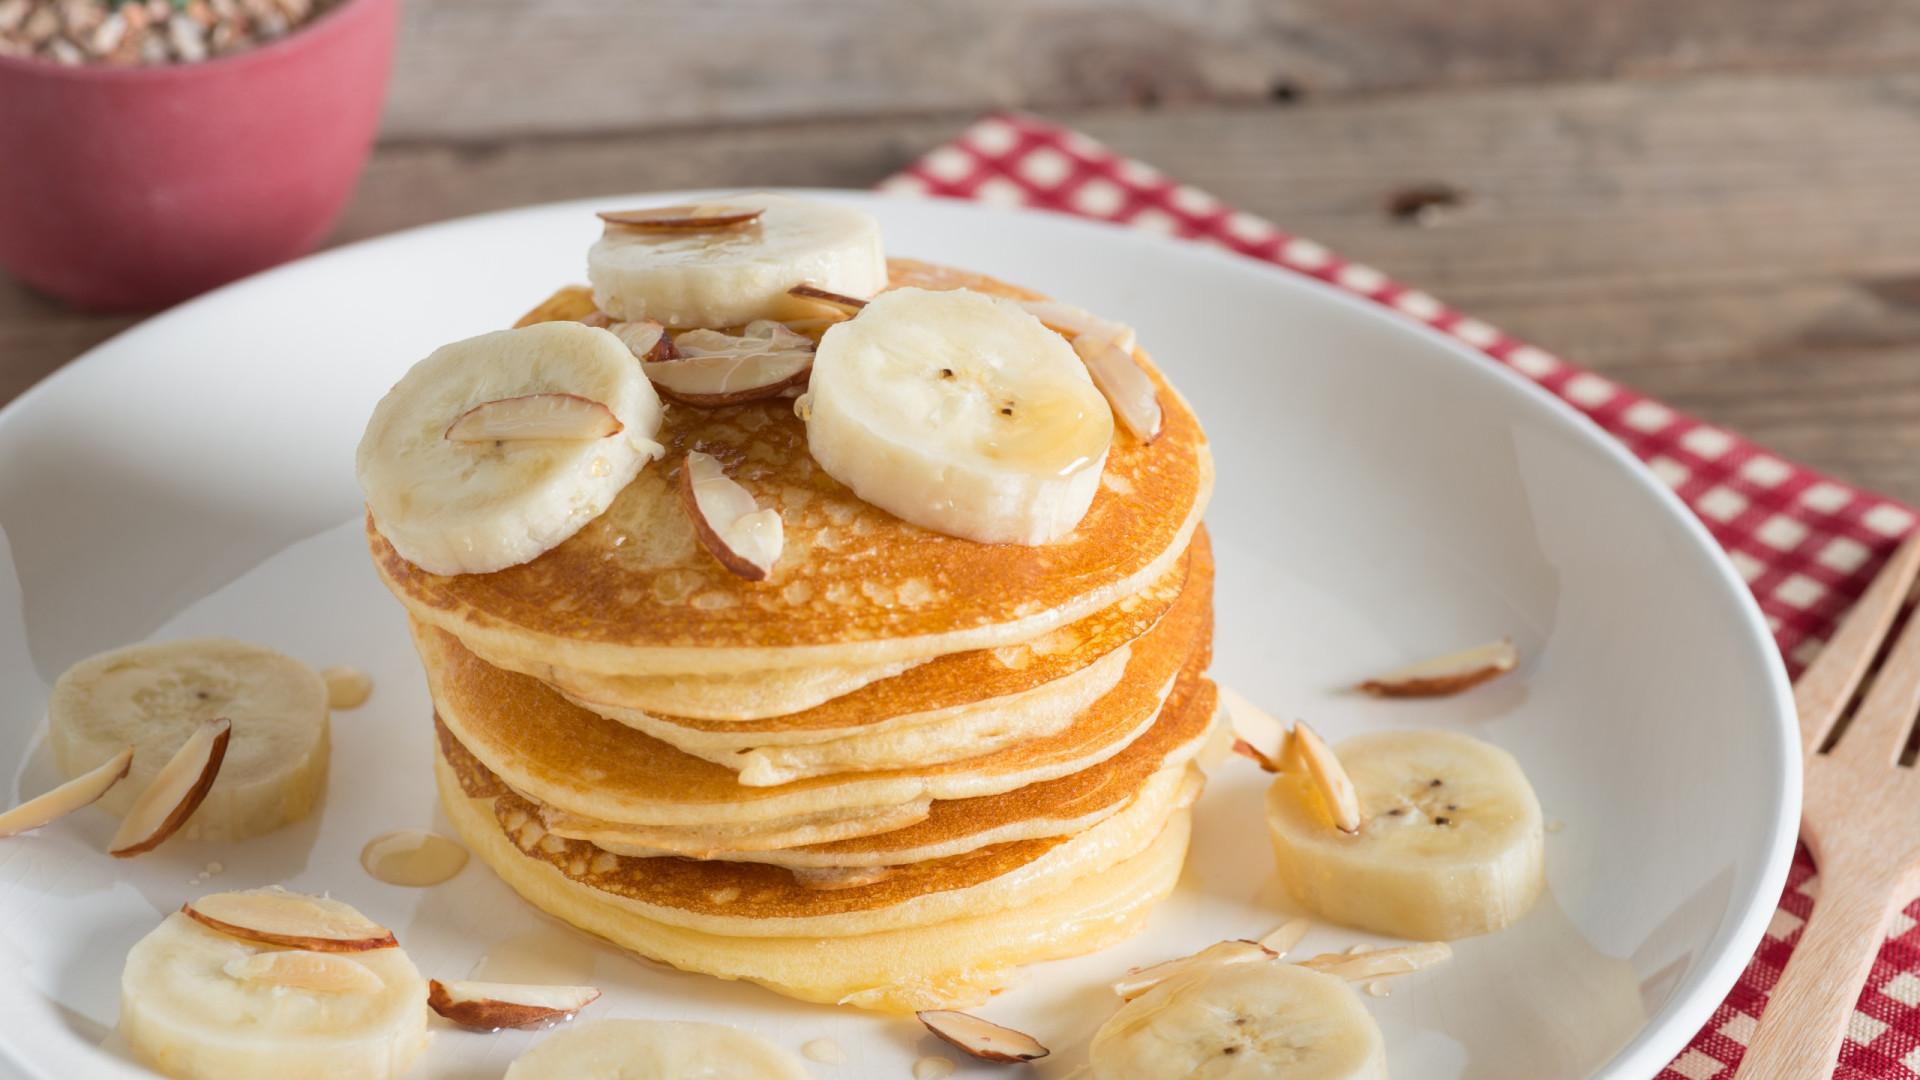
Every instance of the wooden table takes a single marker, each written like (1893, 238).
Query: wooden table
(1734, 229)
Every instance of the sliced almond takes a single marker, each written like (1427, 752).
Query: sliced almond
(1285, 936)
(1125, 383)
(1336, 789)
(712, 369)
(68, 797)
(1070, 321)
(306, 970)
(175, 793)
(700, 218)
(1377, 962)
(1141, 980)
(647, 338)
(347, 687)
(731, 526)
(295, 920)
(504, 1005)
(1256, 734)
(849, 304)
(568, 417)
(983, 1039)
(597, 318)
(1448, 674)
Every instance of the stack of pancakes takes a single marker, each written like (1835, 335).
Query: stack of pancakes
(887, 775)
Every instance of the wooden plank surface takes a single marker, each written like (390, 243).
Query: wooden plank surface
(1744, 247)
(473, 68)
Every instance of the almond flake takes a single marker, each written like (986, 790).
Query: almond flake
(1141, 980)
(983, 1039)
(1336, 789)
(1378, 962)
(647, 338)
(68, 797)
(301, 969)
(565, 417)
(1072, 322)
(1256, 734)
(1285, 936)
(503, 1005)
(275, 916)
(731, 526)
(713, 369)
(1125, 383)
(849, 304)
(702, 218)
(175, 793)
(1448, 674)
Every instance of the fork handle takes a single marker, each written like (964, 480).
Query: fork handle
(1808, 1011)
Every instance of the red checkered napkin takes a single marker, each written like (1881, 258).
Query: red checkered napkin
(1807, 545)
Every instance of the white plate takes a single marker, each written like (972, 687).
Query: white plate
(1385, 494)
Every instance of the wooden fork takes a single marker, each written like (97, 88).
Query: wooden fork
(1861, 820)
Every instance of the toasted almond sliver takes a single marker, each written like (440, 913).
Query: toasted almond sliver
(1336, 789)
(849, 304)
(566, 417)
(1448, 674)
(1221, 954)
(744, 538)
(1285, 936)
(504, 1005)
(983, 1039)
(68, 797)
(1372, 965)
(647, 339)
(711, 369)
(1074, 321)
(1256, 734)
(1125, 383)
(706, 216)
(290, 919)
(178, 790)
(305, 970)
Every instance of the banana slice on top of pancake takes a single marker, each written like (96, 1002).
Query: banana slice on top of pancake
(730, 261)
(961, 413)
(495, 449)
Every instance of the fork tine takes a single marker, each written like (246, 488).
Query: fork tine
(1830, 681)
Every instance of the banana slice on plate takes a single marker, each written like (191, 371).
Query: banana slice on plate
(1451, 842)
(153, 697)
(198, 1004)
(494, 449)
(656, 1050)
(731, 261)
(1248, 1020)
(959, 412)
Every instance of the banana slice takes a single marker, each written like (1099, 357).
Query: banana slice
(1451, 841)
(156, 696)
(656, 1050)
(460, 486)
(731, 273)
(1248, 1020)
(961, 413)
(196, 1004)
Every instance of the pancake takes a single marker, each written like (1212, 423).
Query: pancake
(953, 964)
(952, 826)
(634, 593)
(741, 899)
(958, 706)
(579, 762)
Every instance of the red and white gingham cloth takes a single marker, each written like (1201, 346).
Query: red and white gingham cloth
(1805, 544)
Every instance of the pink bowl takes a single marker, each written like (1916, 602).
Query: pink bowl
(135, 188)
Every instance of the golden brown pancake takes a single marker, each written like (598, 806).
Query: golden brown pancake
(579, 762)
(952, 964)
(956, 706)
(634, 592)
(1050, 808)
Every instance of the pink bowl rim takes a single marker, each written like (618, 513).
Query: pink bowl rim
(327, 25)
